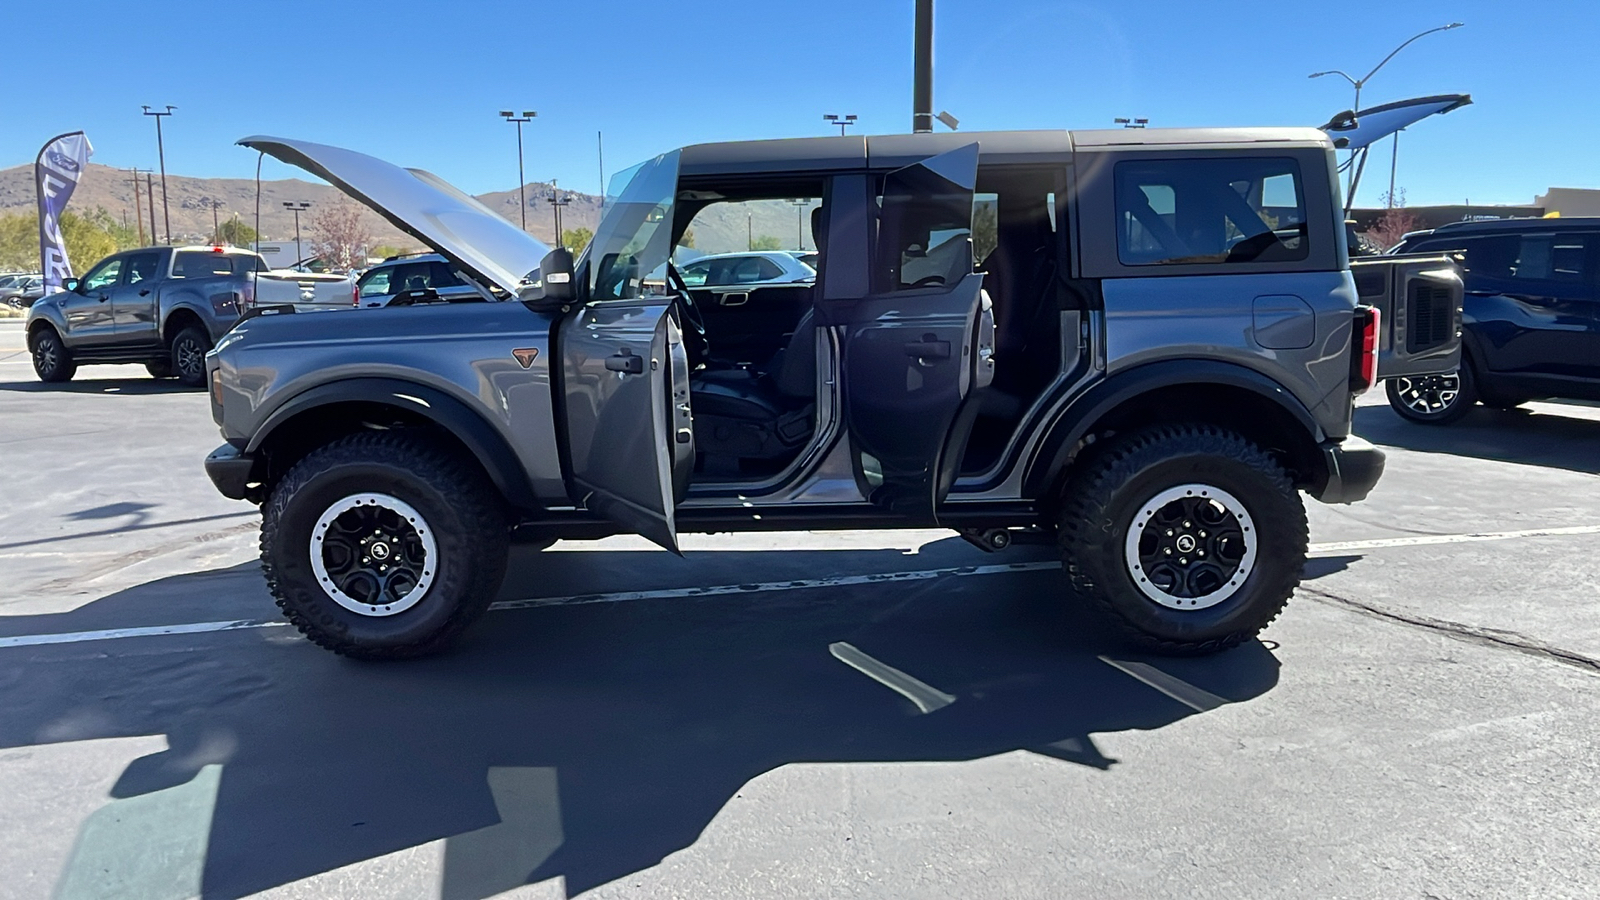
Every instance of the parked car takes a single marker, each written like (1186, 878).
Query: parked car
(1531, 317)
(161, 306)
(1150, 388)
(809, 257)
(417, 278)
(23, 291)
(746, 269)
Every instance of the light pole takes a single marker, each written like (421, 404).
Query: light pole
(842, 121)
(161, 154)
(557, 200)
(297, 207)
(1359, 83)
(528, 115)
(1132, 123)
(799, 229)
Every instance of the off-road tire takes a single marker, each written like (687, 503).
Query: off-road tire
(1102, 501)
(1404, 401)
(52, 361)
(189, 349)
(159, 368)
(466, 516)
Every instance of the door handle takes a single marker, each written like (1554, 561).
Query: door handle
(625, 362)
(145, 292)
(735, 298)
(927, 349)
(103, 298)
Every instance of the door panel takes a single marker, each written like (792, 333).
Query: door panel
(629, 439)
(88, 310)
(919, 346)
(133, 302)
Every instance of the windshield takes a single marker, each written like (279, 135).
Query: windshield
(635, 237)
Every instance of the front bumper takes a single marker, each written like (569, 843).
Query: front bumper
(230, 470)
(1353, 466)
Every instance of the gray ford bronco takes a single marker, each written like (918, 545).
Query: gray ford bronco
(1144, 345)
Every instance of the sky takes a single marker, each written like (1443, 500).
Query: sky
(420, 83)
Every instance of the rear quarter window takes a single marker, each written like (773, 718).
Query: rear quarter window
(1182, 212)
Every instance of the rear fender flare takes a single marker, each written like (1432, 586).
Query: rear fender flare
(1082, 415)
(491, 449)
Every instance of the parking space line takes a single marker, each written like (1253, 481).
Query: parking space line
(1171, 685)
(778, 586)
(926, 697)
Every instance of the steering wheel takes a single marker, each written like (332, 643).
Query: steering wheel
(928, 281)
(695, 342)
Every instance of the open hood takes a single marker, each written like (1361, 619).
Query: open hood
(1363, 128)
(466, 232)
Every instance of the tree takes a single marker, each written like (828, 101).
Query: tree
(766, 242)
(384, 251)
(237, 233)
(87, 237)
(575, 239)
(339, 235)
(1395, 223)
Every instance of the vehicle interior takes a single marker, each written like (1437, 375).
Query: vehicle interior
(751, 347)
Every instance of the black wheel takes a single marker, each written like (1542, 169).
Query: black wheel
(383, 545)
(1433, 399)
(1188, 538)
(160, 368)
(189, 356)
(51, 359)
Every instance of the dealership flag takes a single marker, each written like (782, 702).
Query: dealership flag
(56, 173)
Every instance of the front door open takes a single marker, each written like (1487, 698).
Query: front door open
(919, 346)
(624, 369)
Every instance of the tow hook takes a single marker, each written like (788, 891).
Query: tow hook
(988, 540)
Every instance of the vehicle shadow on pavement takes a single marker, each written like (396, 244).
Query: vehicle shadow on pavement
(128, 386)
(1515, 435)
(581, 741)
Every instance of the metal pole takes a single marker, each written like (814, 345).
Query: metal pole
(750, 231)
(922, 69)
(522, 180)
(138, 210)
(161, 155)
(298, 253)
(216, 229)
(1394, 159)
(150, 191)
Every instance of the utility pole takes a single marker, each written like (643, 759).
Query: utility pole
(558, 200)
(922, 70)
(297, 208)
(138, 210)
(161, 154)
(750, 230)
(150, 192)
(216, 229)
(528, 115)
(842, 121)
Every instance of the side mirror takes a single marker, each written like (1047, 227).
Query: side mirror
(71, 284)
(555, 286)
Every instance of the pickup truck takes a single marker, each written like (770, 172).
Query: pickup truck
(164, 307)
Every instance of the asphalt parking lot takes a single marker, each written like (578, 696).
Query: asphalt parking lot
(872, 714)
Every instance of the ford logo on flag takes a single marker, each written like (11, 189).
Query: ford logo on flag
(61, 160)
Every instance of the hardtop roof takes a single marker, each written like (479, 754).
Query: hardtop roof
(821, 154)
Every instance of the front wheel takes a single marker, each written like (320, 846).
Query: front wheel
(189, 356)
(1189, 539)
(384, 545)
(52, 361)
(1433, 399)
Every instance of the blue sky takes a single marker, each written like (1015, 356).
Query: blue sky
(419, 83)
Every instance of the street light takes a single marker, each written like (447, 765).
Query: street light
(800, 205)
(1132, 123)
(297, 208)
(842, 121)
(1359, 83)
(522, 194)
(161, 154)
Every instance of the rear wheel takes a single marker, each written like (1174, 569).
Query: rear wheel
(52, 361)
(189, 355)
(383, 545)
(1433, 399)
(1189, 539)
(160, 368)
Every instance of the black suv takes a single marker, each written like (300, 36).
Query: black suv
(1530, 318)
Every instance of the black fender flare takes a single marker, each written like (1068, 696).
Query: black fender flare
(1082, 414)
(486, 443)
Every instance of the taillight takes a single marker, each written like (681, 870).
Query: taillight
(355, 295)
(1364, 343)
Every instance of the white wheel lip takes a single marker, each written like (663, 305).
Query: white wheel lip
(408, 512)
(1136, 528)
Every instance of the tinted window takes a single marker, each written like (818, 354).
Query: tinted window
(103, 276)
(924, 231)
(409, 277)
(142, 266)
(1203, 211)
(440, 276)
(203, 264)
(1525, 257)
(375, 283)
